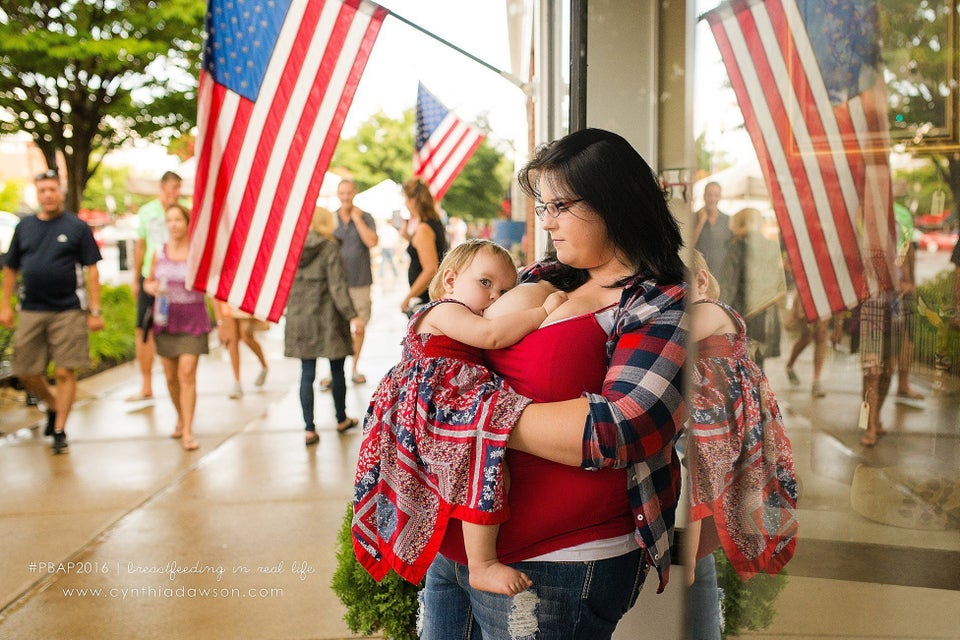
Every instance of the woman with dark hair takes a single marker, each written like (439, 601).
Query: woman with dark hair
(428, 241)
(604, 370)
(181, 322)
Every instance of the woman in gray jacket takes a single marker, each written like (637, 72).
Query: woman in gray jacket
(320, 319)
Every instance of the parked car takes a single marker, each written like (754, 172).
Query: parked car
(934, 241)
(931, 220)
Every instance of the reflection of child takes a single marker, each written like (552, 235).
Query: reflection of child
(742, 477)
(436, 430)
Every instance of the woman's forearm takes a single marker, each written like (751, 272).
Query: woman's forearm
(552, 430)
(422, 283)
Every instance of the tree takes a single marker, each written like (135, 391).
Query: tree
(479, 190)
(918, 53)
(382, 148)
(85, 76)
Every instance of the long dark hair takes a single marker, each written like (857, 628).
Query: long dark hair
(608, 174)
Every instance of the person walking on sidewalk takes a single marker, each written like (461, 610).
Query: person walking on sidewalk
(233, 327)
(357, 233)
(57, 256)
(815, 332)
(320, 319)
(181, 323)
(151, 234)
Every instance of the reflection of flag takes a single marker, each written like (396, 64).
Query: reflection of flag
(277, 80)
(444, 143)
(807, 78)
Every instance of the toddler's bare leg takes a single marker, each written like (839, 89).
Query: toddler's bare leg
(487, 573)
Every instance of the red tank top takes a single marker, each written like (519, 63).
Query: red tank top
(554, 506)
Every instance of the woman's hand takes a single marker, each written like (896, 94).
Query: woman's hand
(356, 326)
(225, 330)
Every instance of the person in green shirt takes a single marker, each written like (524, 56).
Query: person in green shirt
(151, 234)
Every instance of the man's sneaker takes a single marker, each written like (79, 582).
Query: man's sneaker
(59, 443)
(817, 391)
(261, 378)
(237, 392)
(51, 423)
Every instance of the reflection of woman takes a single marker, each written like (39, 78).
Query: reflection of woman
(181, 322)
(601, 433)
(428, 242)
(320, 317)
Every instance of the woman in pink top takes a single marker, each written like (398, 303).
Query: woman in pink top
(181, 323)
(595, 478)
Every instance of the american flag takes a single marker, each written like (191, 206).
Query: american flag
(808, 79)
(444, 143)
(277, 80)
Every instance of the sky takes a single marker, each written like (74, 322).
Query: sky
(403, 56)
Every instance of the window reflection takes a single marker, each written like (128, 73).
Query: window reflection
(837, 146)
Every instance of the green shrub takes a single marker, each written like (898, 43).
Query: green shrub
(389, 605)
(932, 340)
(746, 604)
(115, 344)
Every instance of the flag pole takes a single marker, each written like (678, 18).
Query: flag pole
(506, 75)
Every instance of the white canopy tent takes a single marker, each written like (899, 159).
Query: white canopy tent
(382, 200)
(741, 185)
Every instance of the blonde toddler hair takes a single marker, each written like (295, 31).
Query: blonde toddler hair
(460, 257)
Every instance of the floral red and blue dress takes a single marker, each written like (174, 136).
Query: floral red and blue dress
(434, 441)
(741, 461)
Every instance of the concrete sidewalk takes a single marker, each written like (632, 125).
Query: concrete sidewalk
(129, 508)
(254, 513)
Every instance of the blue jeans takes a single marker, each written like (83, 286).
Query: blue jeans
(338, 387)
(568, 601)
(703, 602)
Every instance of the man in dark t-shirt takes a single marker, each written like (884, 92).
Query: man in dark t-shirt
(52, 251)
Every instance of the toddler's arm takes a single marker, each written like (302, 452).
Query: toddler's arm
(461, 324)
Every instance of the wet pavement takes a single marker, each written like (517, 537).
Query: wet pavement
(253, 514)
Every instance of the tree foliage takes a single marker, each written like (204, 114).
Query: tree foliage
(382, 148)
(85, 76)
(919, 52)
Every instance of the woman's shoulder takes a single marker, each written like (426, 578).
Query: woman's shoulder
(646, 292)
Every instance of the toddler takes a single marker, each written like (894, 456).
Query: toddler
(436, 429)
(743, 483)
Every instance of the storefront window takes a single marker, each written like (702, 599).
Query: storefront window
(828, 129)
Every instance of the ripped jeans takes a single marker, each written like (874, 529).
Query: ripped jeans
(568, 601)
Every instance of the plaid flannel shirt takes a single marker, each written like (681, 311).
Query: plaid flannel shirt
(635, 421)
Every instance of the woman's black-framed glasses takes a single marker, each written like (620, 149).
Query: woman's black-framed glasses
(554, 209)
